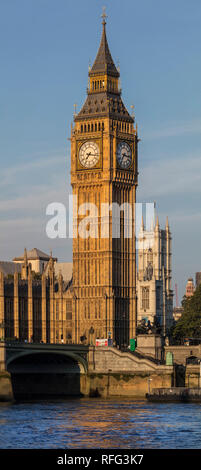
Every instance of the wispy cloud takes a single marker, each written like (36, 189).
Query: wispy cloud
(9, 175)
(26, 190)
(174, 130)
(37, 200)
(170, 176)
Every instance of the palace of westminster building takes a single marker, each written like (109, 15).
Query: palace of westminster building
(105, 295)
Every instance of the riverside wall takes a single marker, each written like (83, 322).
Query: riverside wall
(181, 353)
(115, 373)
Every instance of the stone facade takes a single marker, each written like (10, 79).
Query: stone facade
(115, 373)
(192, 376)
(104, 268)
(182, 353)
(135, 385)
(150, 345)
(154, 293)
(36, 310)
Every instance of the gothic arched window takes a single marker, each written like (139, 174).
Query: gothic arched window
(145, 297)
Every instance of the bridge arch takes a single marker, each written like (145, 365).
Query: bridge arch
(46, 374)
(67, 354)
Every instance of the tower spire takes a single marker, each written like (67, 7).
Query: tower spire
(104, 16)
(104, 90)
(104, 62)
(167, 224)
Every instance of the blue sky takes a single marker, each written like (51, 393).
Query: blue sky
(45, 48)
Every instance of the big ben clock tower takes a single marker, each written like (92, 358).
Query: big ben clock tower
(104, 173)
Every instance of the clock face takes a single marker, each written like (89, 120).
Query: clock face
(124, 155)
(89, 154)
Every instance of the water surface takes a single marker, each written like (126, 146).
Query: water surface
(100, 423)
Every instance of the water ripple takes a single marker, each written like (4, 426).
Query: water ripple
(97, 423)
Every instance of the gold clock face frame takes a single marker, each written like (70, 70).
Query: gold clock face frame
(89, 154)
(124, 155)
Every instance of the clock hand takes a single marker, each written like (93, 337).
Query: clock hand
(87, 155)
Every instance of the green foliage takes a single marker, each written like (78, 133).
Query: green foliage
(189, 325)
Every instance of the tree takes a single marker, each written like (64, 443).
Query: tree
(189, 325)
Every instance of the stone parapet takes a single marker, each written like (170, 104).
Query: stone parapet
(181, 353)
(109, 359)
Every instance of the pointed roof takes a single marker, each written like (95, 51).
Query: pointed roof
(104, 62)
(104, 102)
(167, 224)
(33, 254)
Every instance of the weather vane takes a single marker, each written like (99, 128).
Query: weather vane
(104, 16)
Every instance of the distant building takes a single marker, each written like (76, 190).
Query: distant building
(36, 258)
(177, 313)
(190, 288)
(198, 279)
(154, 293)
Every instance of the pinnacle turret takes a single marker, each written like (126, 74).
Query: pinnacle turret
(157, 224)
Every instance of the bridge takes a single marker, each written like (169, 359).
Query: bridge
(44, 370)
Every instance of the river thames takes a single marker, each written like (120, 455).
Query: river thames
(97, 423)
